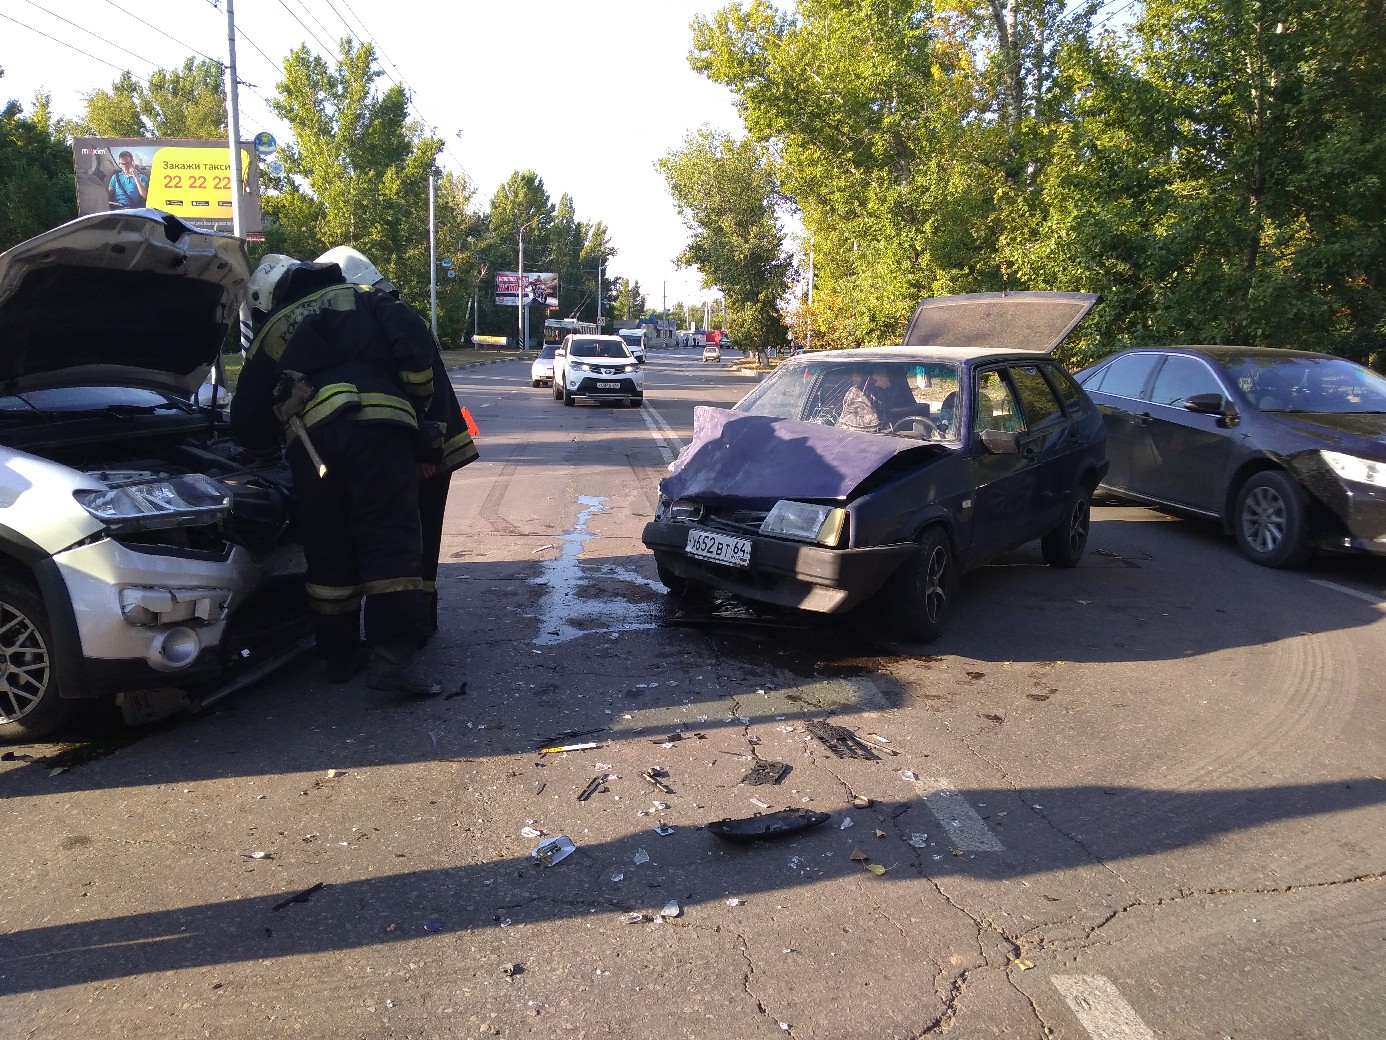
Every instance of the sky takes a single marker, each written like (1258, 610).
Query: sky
(589, 94)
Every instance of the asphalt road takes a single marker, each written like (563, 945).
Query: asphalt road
(1139, 799)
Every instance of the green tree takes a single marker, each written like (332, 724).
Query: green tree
(189, 101)
(630, 301)
(356, 171)
(726, 195)
(38, 190)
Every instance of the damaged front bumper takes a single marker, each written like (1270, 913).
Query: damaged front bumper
(782, 572)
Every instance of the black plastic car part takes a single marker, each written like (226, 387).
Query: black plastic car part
(769, 825)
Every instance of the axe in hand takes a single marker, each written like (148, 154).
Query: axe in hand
(291, 393)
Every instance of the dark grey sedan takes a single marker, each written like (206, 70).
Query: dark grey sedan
(1286, 448)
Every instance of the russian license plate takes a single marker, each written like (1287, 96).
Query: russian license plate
(719, 548)
(608, 386)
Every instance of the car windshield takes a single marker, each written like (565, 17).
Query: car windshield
(864, 395)
(600, 349)
(547, 353)
(1326, 385)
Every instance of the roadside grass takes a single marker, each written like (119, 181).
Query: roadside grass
(232, 362)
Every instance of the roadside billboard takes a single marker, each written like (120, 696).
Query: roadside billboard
(191, 179)
(540, 288)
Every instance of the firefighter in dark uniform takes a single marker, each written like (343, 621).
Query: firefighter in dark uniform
(342, 373)
(446, 441)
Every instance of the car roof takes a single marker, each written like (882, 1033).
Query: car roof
(1219, 351)
(955, 355)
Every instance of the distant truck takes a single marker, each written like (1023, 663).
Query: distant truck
(635, 340)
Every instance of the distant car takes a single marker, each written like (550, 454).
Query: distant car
(599, 368)
(635, 341)
(882, 474)
(712, 352)
(541, 372)
(1286, 448)
(140, 549)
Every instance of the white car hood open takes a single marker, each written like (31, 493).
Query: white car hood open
(130, 297)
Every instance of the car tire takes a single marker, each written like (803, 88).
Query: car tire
(636, 402)
(1065, 545)
(536, 382)
(567, 397)
(918, 597)
(30, 704)
(1270, 521)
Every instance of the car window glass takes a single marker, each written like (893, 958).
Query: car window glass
(1324, 385)
(996, 408)
(1064, 385)
(1180, 378)
(1126, 376)
(1037, 401)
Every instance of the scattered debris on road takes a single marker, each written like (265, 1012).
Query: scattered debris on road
(768, 825)
(301, 897)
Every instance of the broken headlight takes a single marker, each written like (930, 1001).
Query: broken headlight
(806, 522)
(188, 500)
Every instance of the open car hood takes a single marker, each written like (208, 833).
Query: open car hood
(130, 297)
(753, 461)
(1037, 321)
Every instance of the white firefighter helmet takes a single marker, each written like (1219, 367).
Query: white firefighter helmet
(273, 267)
(355, 267)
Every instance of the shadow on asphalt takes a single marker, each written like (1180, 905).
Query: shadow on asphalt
(689, 866)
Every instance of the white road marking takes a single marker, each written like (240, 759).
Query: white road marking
(962, 826)
(1101, 1008)
(1365, 597)
(662, 434)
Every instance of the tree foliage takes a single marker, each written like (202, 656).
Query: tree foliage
(726, 193)
(1214, 170)
(188, 102)
(37, 186)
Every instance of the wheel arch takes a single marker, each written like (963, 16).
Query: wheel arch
(24, 561)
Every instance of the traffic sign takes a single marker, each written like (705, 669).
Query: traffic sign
(265, 143)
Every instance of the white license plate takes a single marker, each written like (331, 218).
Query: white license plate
(608, 386)
(719, 548)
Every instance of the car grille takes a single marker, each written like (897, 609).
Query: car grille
(744, 521)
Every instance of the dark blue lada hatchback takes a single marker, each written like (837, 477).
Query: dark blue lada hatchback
(884, 473)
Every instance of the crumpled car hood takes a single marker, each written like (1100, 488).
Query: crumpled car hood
(753, 461)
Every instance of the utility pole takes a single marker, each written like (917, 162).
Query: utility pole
(520, 292)
(809, 335)
(600, 261)
(233, 125)
(432, 258)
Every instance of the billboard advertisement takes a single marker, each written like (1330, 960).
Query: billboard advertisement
(540, 288)
(191, 179)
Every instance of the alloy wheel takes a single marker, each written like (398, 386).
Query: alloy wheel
(1264, 519)
(25, 678)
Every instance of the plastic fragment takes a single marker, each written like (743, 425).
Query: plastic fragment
(433, 924)
(736, 902)
(908, 774)
(671, 909)
(553, 850)
(641, 856)
(512, 969)
(862, 802)
(919, 840)
(333, 773)
(663, 829)
(531, 832)
(880, 833)
(846, 822)
(632, 918)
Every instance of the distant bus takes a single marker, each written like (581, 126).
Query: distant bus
(556, 328)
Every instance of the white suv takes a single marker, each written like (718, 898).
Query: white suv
(140, 549)
(600, 368)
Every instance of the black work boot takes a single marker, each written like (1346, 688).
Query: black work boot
(396, 670)
(346, 667)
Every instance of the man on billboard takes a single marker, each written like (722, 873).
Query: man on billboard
(128, 188)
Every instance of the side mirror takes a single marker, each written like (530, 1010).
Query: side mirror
(1205, 404)
(560, 352)
(998, 442)
(1213, 404)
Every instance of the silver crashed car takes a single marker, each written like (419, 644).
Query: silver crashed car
(141, 552)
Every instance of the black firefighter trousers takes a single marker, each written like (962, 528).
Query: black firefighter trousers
(361, 537)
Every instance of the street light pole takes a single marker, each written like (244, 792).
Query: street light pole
(600, 262)
(520, 292)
